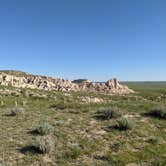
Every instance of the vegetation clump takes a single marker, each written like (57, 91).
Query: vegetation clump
(108, 113)
(73, 153)
(17, 111)
(43, 128)
(44, 144)
(3, 163)
(158, 162)
(159, 112)
(124, 124)
(153, 140)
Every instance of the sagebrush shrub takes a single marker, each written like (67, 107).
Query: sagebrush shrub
(153, 140)
(43, 128)
(159, 112)
(108, 113)
(17, 111)
(124, 124)
(45, 144)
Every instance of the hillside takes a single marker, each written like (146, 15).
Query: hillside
(14, 72)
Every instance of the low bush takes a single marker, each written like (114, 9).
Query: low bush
(108, 113)
(44, 144)
(43, 129)
(17, 111)
(73, 153)
(153, 140)
(159, 112)
(124, 124)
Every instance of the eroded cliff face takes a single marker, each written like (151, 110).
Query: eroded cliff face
(50, 83)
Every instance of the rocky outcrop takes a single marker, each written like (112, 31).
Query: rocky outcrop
(49, 83)
(110, 87)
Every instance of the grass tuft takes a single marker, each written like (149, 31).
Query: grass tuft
(44, 144)
(124, 124)
(43, 129)
(159, 112)
(17, 111)
(108, 113)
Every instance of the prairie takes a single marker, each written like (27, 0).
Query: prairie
(76, 131)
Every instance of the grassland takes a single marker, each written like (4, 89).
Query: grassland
(80, 138)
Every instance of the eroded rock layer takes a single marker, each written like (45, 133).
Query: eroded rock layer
(49, 83)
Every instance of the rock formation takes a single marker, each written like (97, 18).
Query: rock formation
(49, 83)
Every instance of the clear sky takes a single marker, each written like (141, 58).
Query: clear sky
(94, 39)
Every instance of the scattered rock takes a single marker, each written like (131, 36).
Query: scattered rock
(87, 99)
(7, 92)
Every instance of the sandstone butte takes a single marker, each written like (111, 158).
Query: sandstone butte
(25, 80)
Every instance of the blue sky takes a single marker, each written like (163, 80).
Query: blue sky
(94, 39)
